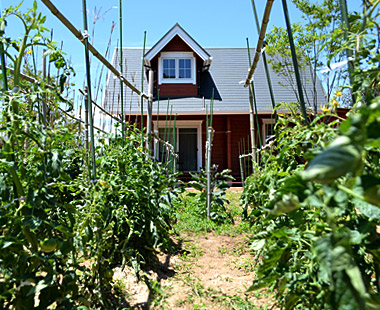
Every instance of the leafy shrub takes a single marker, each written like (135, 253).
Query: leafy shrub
(316, 224)
(219, 185)
(126, 216)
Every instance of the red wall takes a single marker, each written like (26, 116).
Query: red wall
(176, 45)
(178, 90)
(239, 130)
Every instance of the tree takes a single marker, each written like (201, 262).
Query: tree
(314, 49)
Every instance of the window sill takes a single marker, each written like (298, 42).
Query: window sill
(177, 81)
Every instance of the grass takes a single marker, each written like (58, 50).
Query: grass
(192, 218)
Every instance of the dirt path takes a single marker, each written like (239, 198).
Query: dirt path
(212, 272)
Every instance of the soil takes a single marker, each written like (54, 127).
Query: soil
(211, 272)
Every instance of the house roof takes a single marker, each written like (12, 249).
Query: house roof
(177, 30)
(230, 66)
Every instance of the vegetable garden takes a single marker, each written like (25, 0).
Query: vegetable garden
(311, 206)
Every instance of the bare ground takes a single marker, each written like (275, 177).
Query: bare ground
(211, 272)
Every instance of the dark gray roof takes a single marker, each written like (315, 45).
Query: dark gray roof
(229, 67)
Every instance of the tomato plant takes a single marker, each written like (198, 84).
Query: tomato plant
(316, 222)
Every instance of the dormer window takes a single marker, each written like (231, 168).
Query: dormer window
(177, 68)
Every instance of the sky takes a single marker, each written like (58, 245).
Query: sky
(212, 23)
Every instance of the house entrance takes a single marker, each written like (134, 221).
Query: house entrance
(187, 149)
(187, 144)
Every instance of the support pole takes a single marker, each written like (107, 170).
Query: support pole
(208, 167)
(142, 87)
(260, 42)
(295, 62)
(241, 165)
(150, 111)
(86, 119)
(3, 66)
(252, 124)
(92, 49)
(44, 107)
(121, 70)
(267, 74)
(346, 29)
(88, 75)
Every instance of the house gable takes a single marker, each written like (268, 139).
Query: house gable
(177, 30)
(177, 60)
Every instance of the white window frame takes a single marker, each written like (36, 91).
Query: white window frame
(181, 124)
(176, 56)
(265, 122)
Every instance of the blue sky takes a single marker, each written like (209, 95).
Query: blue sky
(212, 23)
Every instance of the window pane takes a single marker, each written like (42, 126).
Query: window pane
(184, 66)
(169, 68)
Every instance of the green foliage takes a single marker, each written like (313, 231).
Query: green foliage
(61, 235)
(125, 217)
(315, 222)
(219, 185)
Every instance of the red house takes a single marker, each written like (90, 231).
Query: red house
(186, 75)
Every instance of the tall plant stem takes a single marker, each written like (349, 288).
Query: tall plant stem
(295, 62)
(89, 96)
(121, 70)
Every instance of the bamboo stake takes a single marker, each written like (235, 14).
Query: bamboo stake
(174, 143)
(208, 170)
(44, 107)
(170, 122)
(267, 74)
(212, 107)
(166, 124)
(92, 49)
(158, 105)
(263, 30)
(241, 165)
(88, 75)
(121, 70)
(150, 111)
(35, 73)
(3, 66)
(142, 85)
(295, 61)
(244, 152)
(86, 121)
(206, 122)
(346, 29)
(79, 124)
(252, 99)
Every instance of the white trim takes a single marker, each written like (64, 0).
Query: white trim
(176, 30)
(177, 56)
(182, 124)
